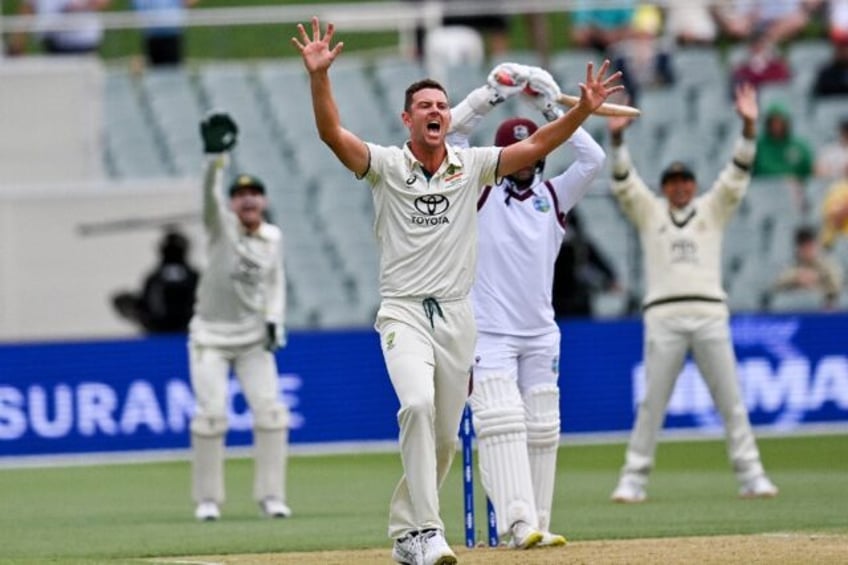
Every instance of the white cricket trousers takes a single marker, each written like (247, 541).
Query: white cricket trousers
(667, 341)
(428, 358)
(256, 371)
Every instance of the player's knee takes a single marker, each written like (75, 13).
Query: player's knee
(273, 417)
(209, 426)
(419, 409)
(542, 409)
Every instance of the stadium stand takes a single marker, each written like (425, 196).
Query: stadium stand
(327, 214)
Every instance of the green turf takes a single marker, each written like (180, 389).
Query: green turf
(116, 512)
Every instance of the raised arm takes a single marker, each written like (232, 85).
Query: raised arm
(505, 80)
(570, 186)
(593, 93)
(633, 195)
(731, 184)
(317, 58)
(219, 133)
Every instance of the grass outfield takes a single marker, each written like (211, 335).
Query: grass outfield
(114, 513)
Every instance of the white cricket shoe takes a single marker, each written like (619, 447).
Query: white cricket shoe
(552, 540)
(207, 511)
(524, 536)
(628, 492)
(435, 549)
(758, 487)
(274, 508)
(407, 550)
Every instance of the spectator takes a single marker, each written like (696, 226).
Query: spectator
(690, 22)
(778, 20)
(832, 159)
(762, 65)
(599, 28)
(643, 57)
(835, 212)
(837, 20)
(779, 151)
(580, 271)
(493, 27)
(811, 271)
(166, 301)
(163, 38)
(832, 77)
(85, 36)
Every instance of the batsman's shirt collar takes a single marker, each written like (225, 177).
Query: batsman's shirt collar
(451, 161)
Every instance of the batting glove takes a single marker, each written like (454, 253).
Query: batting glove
(543, 92)
(219, 132)
(275, 337)
(507, 80)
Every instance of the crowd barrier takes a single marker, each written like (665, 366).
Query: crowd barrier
(134, 395)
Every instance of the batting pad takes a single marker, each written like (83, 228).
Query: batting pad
(542, 408)
(207, 468)
(498, 416)
(269, 464)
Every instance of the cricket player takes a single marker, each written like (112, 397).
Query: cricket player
(238, 325)
(685, 306)
(515, 398)
(425, 200)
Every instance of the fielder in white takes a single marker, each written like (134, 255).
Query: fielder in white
(515, 398)
(684, 305)
(238, 324)
(425, 195)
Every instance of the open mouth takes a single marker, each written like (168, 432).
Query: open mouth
(434, 126)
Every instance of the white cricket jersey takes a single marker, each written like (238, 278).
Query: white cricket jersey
(682, 248)
(519, 237)
(243, 285)
(426, 229)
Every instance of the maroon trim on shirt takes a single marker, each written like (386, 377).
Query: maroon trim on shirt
(484, 194)
(559, 214)
(520, 196)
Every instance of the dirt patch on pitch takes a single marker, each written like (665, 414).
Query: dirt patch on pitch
(783, 549)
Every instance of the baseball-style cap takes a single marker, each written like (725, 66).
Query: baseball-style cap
(514, 130)
(677, 170)
(246, 181)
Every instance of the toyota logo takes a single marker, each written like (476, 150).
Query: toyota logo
(432, 205)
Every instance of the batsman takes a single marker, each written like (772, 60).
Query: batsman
(685, 306)
(521, 223)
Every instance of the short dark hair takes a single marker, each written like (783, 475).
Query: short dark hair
(420, 85)
(805, 234)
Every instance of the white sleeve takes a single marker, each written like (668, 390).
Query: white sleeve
(214, 211)
(633, 195)
(468, 114)
(574, 183)
(276, 306)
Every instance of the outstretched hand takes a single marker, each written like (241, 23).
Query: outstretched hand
(746, 102)
(316, 52)
(598, 87)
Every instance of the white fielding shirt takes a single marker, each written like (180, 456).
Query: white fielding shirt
(520, 234)
(243, 285)
(682, 248)
(426, 229)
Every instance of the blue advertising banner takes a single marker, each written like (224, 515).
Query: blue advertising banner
(112, 396)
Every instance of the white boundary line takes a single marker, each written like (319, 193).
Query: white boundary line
(346, 448)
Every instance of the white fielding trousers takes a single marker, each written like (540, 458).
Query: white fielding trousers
(667, 341)
(429, 362)
(256, 371)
